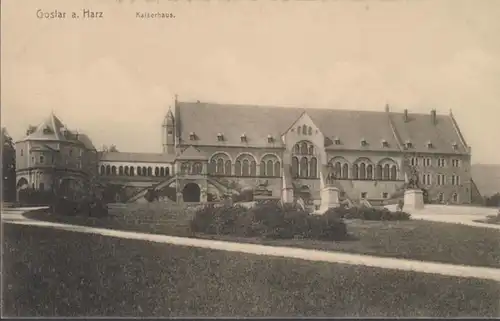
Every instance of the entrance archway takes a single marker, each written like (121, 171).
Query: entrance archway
(22, 183)
(191, 193)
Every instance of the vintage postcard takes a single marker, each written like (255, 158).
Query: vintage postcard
(228, 158)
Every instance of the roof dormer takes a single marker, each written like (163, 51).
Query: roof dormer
(429, 144)
(455, 145)
(220, 137)
(270, 138)
(192, 136)
(336, 140)
(385, 143)
(408, 144)
(363, 142)
(243, 138)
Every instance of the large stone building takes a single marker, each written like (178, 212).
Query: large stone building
(278, 152)
(51, 152)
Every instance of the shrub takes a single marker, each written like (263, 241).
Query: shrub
(269, 220)
(375, 214)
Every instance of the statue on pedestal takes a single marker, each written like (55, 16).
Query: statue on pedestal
(331, 177)
(412, 175)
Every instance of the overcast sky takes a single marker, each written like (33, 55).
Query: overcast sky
(114, 78)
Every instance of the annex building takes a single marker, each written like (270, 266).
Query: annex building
(211, 150)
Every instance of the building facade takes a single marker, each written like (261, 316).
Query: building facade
(51, 152)
(210, 150)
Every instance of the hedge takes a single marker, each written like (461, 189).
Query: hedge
(369, 214)
(268, 220)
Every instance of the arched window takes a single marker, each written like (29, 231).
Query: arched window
(120, 170)
(296, 149)
(345, 171)
(132, 171)
(378, 172)
(362, 171)
(108, 170)
(338, 169)
(139, 172)
(150, 171)
(144, 171)
(369, 172)
(212, 166)
(113, 170)
(220, 166)
(295, 167)
(245, 168)
(263, 170)
(303, 148)
(277, 169)
(310, 131)
(157, 171)
(197, 168)
(270, 168)
(126, 170)
(237, 168)
(304, 130)
(162, 171)
(253, 168)
(311, 150)
(245, 165)
(314, 168)
(355, 171)
(167, 171)
(386, 174)
(103, 170)
(394, 173)
(304, 168)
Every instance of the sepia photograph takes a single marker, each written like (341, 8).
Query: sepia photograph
(225, 158)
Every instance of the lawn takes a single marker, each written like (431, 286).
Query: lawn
(48, 272)
(414, 239)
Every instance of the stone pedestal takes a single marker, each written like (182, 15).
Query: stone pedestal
(329, 199)
(413, 199)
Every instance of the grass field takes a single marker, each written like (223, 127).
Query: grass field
(59, 273)
(414, 239)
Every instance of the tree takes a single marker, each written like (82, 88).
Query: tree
(31, 129)
(8, 167)
(111, 148)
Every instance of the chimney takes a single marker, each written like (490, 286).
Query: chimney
(405, 117)
(433, 116)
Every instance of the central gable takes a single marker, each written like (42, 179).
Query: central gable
(304, 129)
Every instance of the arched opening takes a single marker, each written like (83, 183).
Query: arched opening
(191, 193)
(197, 168)
(394, 173)
(295, 166)
(314, 168)
(304, 167)
(355, 171)
(150, 171)
(22, 183)
(132, 171)
(362, 171)
(120, 170)
(369, 172)
(345, 171)
(157, 171)
(386, 175)
(113, 170)
(139, 171)
(378, 172)
(277, 169)
(126, 170)
(103, 170)
(227, 167)
(162, 171)
(108, 170)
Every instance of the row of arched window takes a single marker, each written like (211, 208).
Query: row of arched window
(303, 148)
(245, 165)
(134, 170)
(385, 170)
(305, 168)
(191, 168)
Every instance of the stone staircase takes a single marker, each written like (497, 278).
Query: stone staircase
(156, 186)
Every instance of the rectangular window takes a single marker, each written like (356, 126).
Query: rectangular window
(441, 179)
(385, 195)
(41, 159)
(427, 161)
(441, 162)
(426, 179)
(455, 180)
(363, 195)
(455, 162)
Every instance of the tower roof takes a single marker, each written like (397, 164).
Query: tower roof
(169, 118)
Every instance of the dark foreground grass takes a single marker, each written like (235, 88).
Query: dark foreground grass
(59, 273)
(414, 239)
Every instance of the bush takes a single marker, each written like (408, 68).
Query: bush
(268, 220)
(368, 214)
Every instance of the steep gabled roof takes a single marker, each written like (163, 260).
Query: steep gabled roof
(420, 129)
(49, 129)
(192, 153)
(207, 120)
(135, 157)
